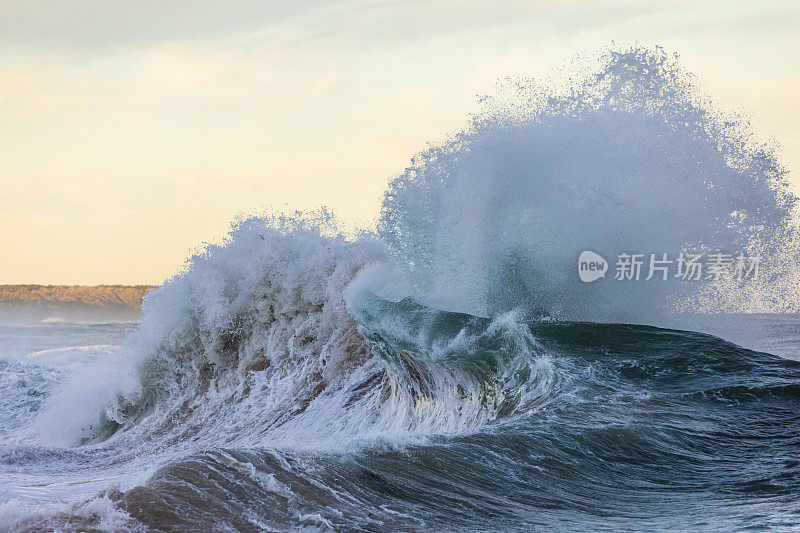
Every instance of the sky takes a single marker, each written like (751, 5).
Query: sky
(133, 132)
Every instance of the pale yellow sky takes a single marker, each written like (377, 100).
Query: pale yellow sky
(132, 132)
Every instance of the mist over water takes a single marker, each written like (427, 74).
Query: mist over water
(431, 376)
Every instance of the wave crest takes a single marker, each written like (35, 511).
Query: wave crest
(627, 156)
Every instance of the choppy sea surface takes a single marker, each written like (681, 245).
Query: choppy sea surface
(566, 425)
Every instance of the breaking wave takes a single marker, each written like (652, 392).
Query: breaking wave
(427, 376)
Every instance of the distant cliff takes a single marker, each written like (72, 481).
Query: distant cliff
(26, 303)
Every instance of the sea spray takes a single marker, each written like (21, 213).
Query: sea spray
(628, 156)
(258, 320)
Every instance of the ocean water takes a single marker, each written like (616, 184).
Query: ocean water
(466, 423)
(450, 371)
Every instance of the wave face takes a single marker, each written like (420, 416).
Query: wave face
(425, 378)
